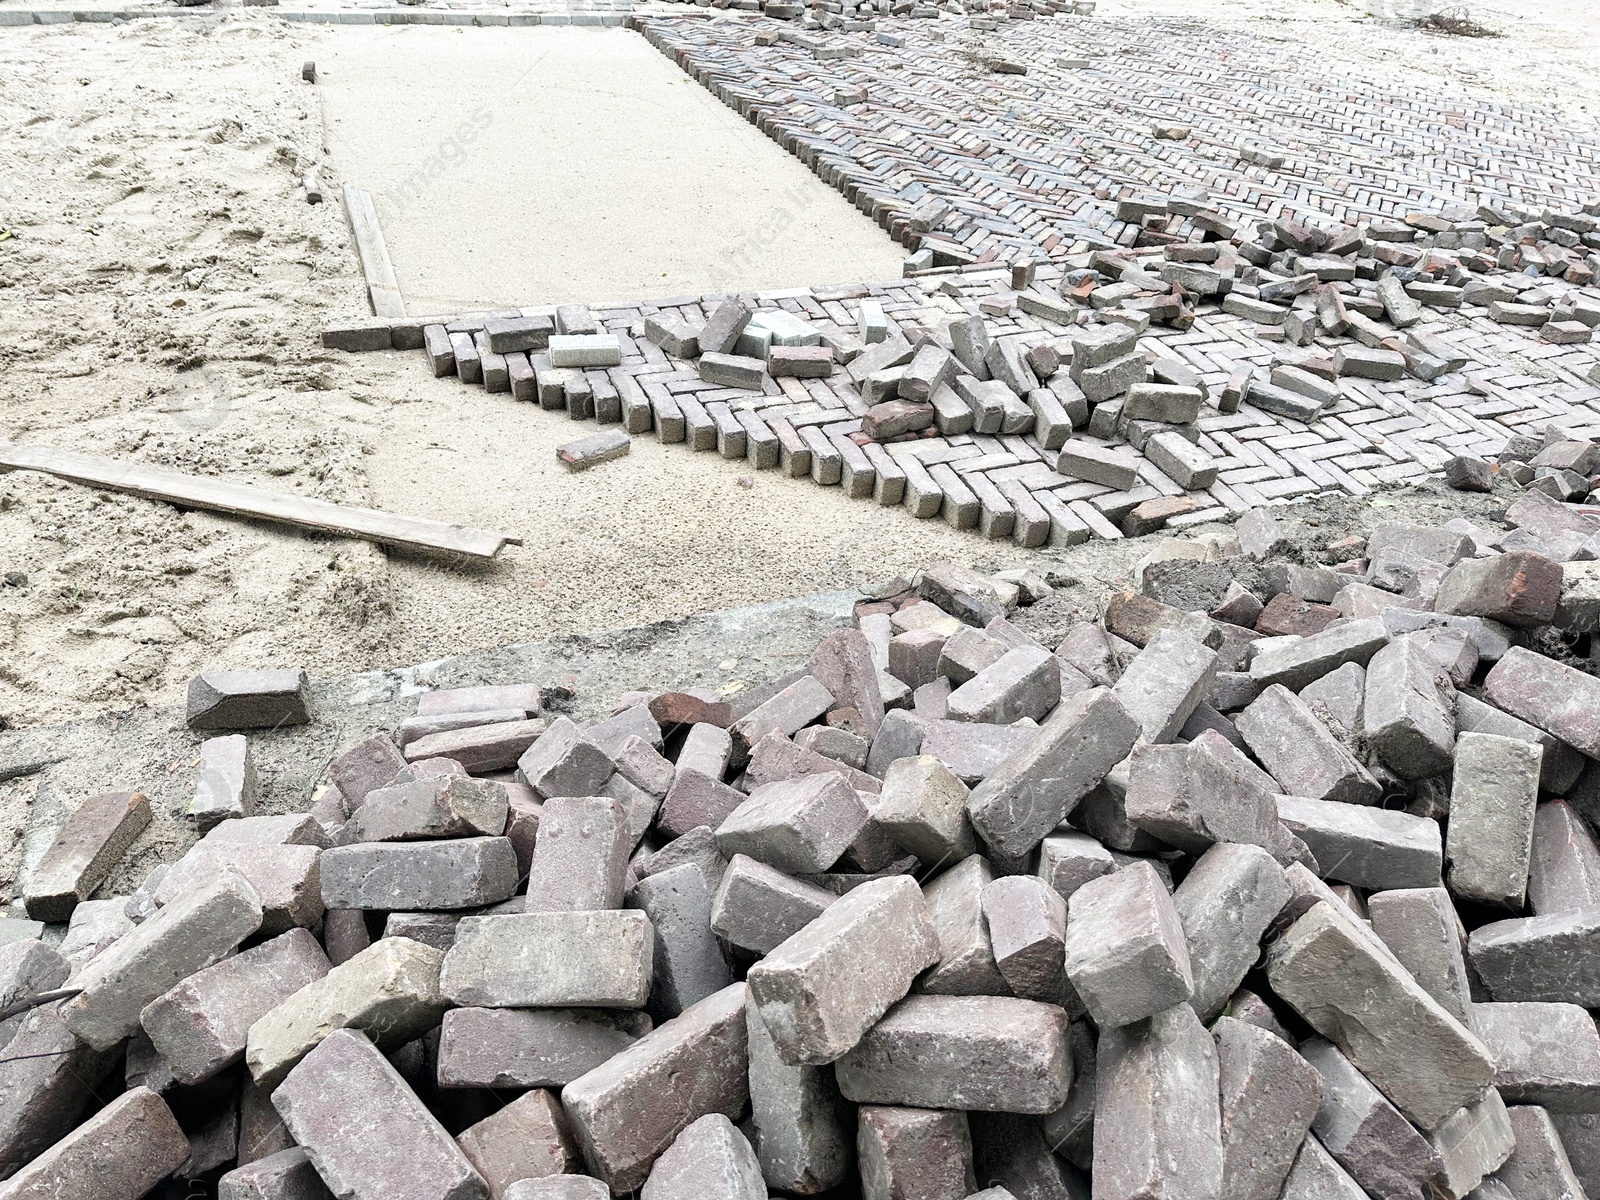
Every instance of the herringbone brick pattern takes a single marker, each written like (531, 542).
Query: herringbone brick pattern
(1030, 167)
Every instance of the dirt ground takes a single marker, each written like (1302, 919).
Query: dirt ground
(161, 295)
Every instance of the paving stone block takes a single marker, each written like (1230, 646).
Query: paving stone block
(1545, 1054)
(1125, 951)
(398, 1149)
(1494, 789)
(200, 1026)
(1578, 1137)
(1559, 699)
(290, 829)
(284, 1175)
(688, 964)
(248, 699)
(1024, 682)
(550, 960)
(879, 934)
(371, 764)
(695, 800)
(51, 1077)
(1192, 796)
(1094, 463)
(492, 746)
(580, 859)
(558, 1187)
(1408, 712)
(758, 908)
(531, 1048)
(1168, 1149)
(788, 712)
(1027, 924)
(1421, 929)
(906, 1152)
(1301, 752)
(1564, 864)
(1165, 682)
(191, 933)
(434, 806)
(390, 991)
(1539, 1165)
(1269, 1097)
(1316, 1176)
(990, 1053)
(798, 825)
(1224, 905)
(1549, 958)
(1560, 765)
(1366, 846)
(1391, 1030)
(419, 876)
(1472, 1142)
(563, 762)
(584, 350)
(802, 1125)
(125, 1149)
(1517, 588)
(923, 808)
(284, 879)
(582, 453)
(843, 664)
(226, 784)
(709, 1159)
(1366, 1134)
(700, 1058)
(527, 1139)
(1068, 860)
(1032, 791)
(966, 964)
(83, 852)
(1296, 663)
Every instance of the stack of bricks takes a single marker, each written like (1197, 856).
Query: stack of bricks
(943, 913)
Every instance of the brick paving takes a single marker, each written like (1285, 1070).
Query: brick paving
(1031, 167)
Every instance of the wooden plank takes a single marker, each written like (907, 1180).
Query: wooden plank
(382, 286)
(248, 500)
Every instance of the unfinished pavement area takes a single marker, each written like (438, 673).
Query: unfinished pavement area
(553, 165)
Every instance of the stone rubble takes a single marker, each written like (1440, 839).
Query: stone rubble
(1183, 906)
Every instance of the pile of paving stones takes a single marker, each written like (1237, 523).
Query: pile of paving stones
(1278, 880)
(1557, 465)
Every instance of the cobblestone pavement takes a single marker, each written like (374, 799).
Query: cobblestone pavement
(1032, 166)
